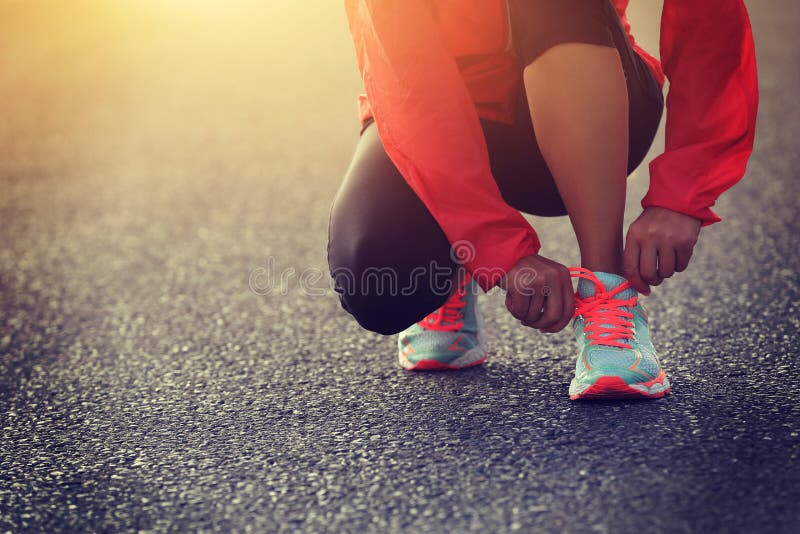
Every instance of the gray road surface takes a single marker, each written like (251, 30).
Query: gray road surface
(154, 154)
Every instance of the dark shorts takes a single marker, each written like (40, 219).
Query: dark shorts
(378, 224)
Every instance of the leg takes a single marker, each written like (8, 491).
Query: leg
(574, 107)
(579, 107)
(589, 96)
(389, 259)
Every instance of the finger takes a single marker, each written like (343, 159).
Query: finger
(553, 307)
(569, 299)
(568, 304)
(517, 304)
(648, 265)
(630, 266)
(534, 308)
(666, 262)
(682, 258)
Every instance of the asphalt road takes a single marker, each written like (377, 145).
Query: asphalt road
(154, 155)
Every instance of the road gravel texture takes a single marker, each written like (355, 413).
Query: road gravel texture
(156, 155)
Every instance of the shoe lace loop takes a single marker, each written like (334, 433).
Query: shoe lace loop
(608, 321)
(450, 317)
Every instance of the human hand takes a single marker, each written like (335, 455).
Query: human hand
(659, 244)
(539, 293)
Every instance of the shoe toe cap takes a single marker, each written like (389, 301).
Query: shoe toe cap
(611, 358)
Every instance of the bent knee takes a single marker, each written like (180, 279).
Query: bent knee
(385, 300)
(383, 309)
(373, 316)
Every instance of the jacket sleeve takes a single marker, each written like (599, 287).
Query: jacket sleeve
(431, 131)
(708, 56)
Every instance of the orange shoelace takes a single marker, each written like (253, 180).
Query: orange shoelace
(607, 322)
(450, 317)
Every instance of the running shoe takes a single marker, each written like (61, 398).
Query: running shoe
(452, 337)
(616, 358)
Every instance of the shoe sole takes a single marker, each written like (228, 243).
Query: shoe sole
(472, 358)
(614, 387)
(435, 365)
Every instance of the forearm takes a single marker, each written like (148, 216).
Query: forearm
(708, 55)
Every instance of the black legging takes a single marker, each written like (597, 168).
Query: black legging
(390, 261)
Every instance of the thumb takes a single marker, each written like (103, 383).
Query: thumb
(630, 266)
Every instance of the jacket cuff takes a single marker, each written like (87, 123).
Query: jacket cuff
(704, 214)
(489, 258)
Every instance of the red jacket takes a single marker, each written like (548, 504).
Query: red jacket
(426, 102)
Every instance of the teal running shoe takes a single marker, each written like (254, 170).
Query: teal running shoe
(616, 358)
(452, 337)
